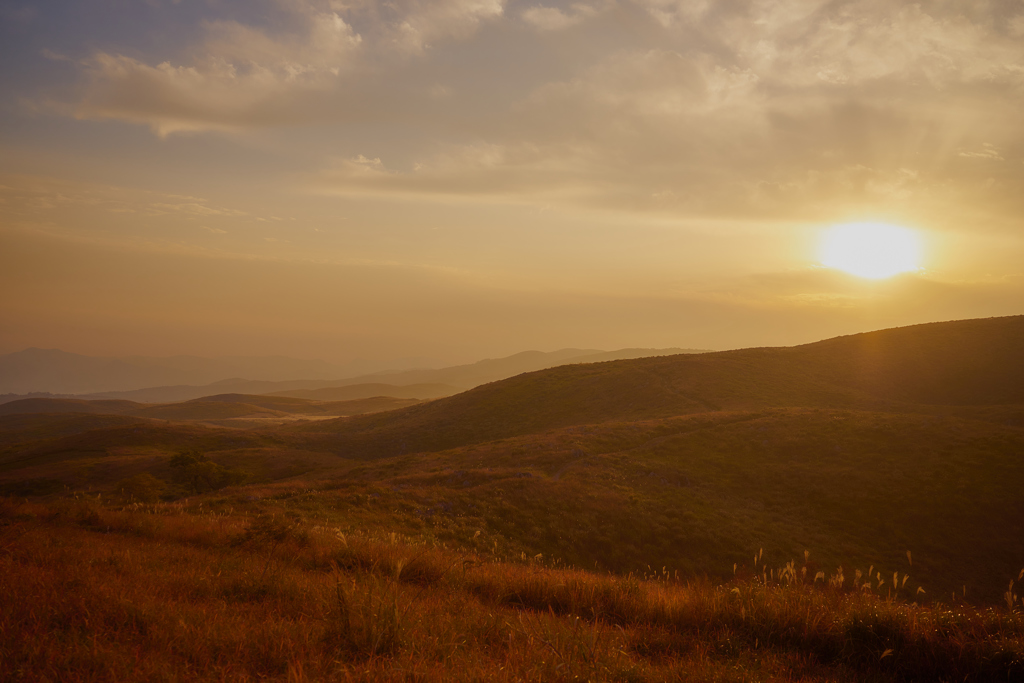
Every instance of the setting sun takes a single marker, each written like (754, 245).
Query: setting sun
(871, 250)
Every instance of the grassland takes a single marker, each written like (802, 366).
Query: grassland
(630, 520)
(239, 589)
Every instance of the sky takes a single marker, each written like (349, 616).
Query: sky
(460, 179)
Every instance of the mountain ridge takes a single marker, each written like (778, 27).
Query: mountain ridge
(459, 377)
(864, 371)
(35, 370)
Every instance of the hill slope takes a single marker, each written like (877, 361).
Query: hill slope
(857, 448)
(457, 378)
(67, 405)
(698, 493)
(494, 369)
(372, 390)
(973, 362)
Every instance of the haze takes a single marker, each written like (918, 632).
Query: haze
(469, 178)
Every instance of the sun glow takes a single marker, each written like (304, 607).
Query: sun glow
(871, 250)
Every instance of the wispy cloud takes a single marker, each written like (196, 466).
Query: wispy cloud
(242, 76)
(987, 151)
(554, 19)
(801, 108)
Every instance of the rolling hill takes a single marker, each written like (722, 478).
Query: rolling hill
(920, 368)
(857, 449)
(698, 493)
(495, 369)
(67, 405)
(53, 370)
(429, 383)
(239, 410)
(371, 390)
(302, 406)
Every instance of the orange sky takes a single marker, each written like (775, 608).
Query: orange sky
(469, 178)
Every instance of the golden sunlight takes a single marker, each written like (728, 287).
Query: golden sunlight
(871, 250)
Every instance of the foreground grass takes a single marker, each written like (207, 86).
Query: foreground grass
(165, 593)
(694, 493)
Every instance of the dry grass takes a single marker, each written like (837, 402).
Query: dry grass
(164, 592)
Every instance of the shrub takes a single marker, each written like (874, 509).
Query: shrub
(144, 488)
(198, 474)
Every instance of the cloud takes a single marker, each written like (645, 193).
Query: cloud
(987, 151)
(33, 199)
(325, 46)
(803, 43)
(802, 109)
(554, 19)
(427, 21)
(659, 130)
(243, 76)
(413, 26)
(479, 172)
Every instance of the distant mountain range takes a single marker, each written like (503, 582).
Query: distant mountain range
(59, 372)
(233, 410)
(36, 373)
(494, 369)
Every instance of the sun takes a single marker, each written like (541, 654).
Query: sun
(871, 250)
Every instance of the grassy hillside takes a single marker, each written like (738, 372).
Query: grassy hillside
(935, 364)
(371, 390)
(692, 462)
(534, 528)
(301, 406)
(28, 428)
(96, 453)
(362, 406)
(66, 405)
(205, 410)
(702, 492)
(966, 362)
(229, 410)
(692, 493)
(494, 369)
(228, 592)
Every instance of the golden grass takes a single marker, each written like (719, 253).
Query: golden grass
(697, 493)
(159, 592)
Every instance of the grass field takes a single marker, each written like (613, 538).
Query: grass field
(694, 493)
(842, 511)
(190, 592)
